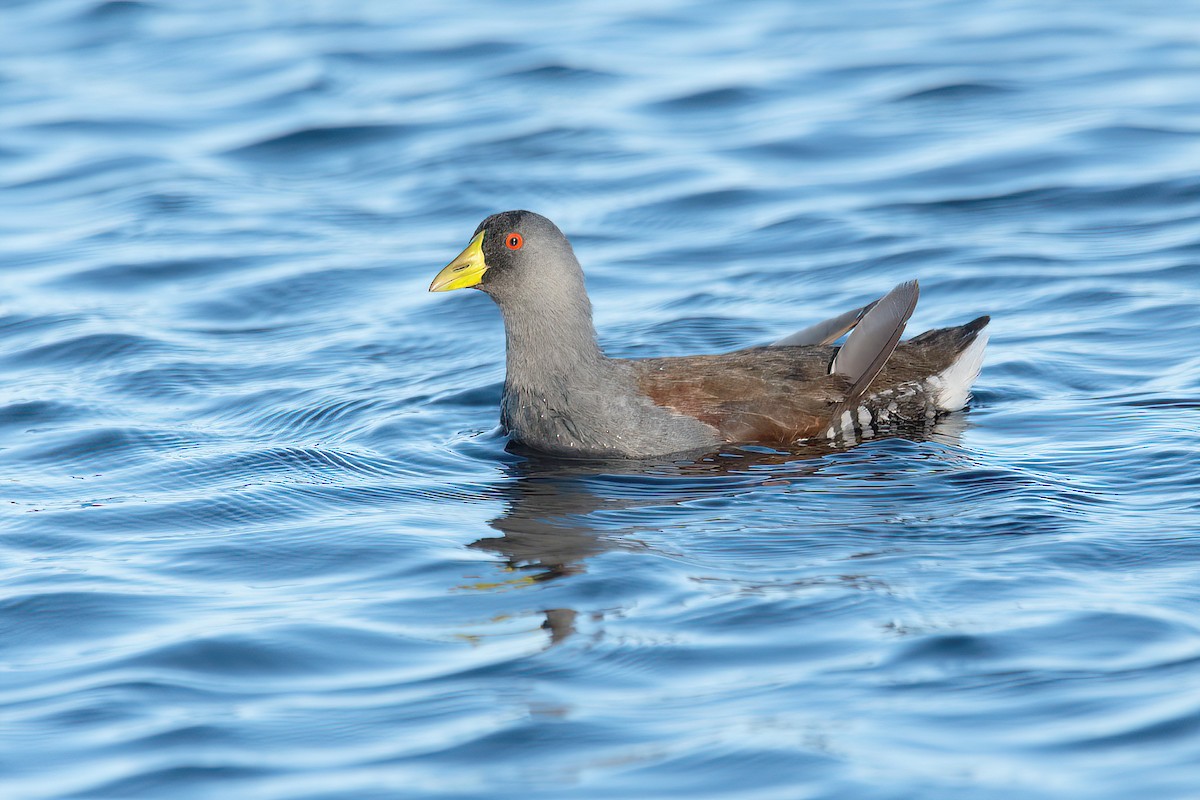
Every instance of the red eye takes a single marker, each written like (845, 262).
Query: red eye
(513, 241)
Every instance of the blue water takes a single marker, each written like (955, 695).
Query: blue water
(261, 537)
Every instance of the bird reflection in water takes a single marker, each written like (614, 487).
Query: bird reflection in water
(545, 530)
(550, 526)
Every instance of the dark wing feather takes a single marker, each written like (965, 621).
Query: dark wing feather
(872, 343)
(827, 331)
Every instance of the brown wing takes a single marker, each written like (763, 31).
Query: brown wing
(774, 395)
(779, 395)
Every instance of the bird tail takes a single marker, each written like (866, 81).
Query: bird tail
(955, 381)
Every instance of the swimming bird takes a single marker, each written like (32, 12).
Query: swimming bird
(564, 396)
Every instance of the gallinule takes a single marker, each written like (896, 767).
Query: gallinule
(563, 396)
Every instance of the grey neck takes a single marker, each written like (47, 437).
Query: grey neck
(561, 394)
(546, 349)
(550, 338)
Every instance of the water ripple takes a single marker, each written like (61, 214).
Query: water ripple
(262, 537)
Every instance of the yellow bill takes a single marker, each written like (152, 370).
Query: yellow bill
(464, 271)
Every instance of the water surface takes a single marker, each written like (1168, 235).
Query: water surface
(262, 539)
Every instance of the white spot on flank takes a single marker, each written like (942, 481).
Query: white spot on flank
(864, 421)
